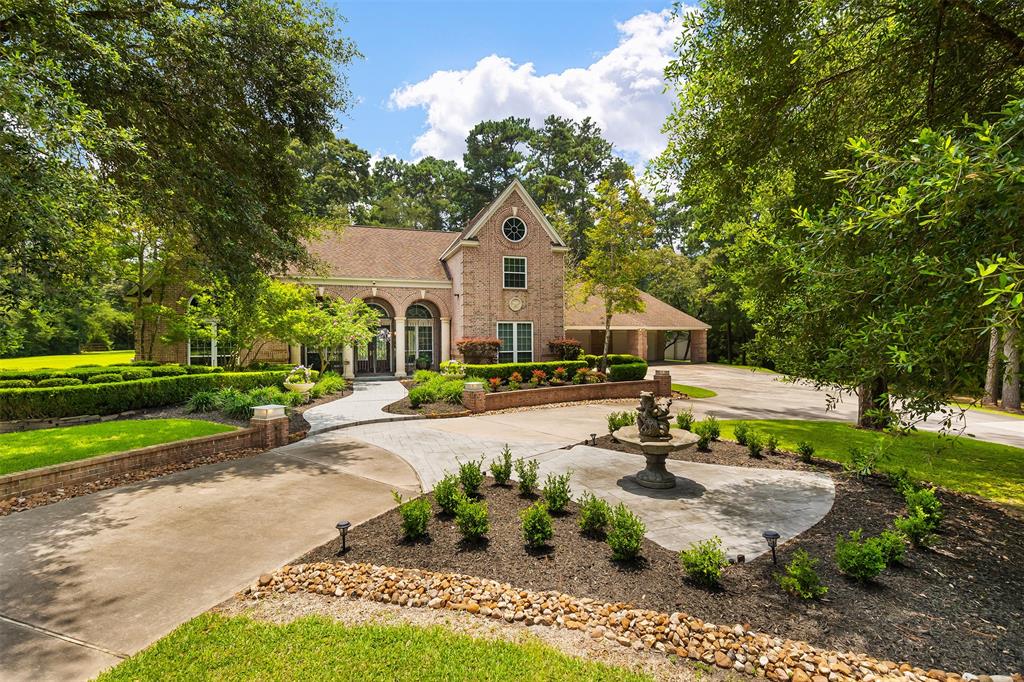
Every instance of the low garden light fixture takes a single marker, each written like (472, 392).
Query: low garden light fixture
(593, 439)
(343, 527)
(772, 538)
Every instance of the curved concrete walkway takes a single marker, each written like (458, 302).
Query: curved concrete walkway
(735, 503)
(366, 403)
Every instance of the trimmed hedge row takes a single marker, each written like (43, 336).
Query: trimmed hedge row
(633, 371)
(136, 370)
(525, 369)
(111, 398)
(613, 359)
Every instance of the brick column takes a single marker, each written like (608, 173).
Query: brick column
(272, 424)
(664, 381)
(473, 397)
(698, 345)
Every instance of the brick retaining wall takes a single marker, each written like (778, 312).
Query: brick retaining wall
(266, 434)
(479, 401)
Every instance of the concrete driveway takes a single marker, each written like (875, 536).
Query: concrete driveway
(744, 394)
(90, 580)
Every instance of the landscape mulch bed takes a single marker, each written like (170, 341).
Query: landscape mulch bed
(957, 606)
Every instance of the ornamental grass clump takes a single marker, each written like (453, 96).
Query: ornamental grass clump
(594, 515)
(801, 579)
(501, 468)
(703, 561)
(860, 559)
(448, 494)
(471, 476)
(684, 420)
(556, 492)
(538, 529)
(626, 534)
(203, 401)
(472, 519)
(527, 472)
(415, 516)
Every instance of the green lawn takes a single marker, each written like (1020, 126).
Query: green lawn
(112, 357)
(32, 449)
(694, 391)
(317, 648)
(991, 470)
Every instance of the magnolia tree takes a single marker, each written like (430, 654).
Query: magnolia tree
(334, 323)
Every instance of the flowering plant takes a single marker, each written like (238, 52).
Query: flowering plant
(299, 375)
(453, 368)
(539, 377)
(495, 382)
(515, 377)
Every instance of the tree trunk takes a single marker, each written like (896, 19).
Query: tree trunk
(873, 410)
(1011, 371)
(992, 370)
(603, 365)
(728, 340)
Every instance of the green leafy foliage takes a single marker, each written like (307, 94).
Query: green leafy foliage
(860, 559)
(755, 443)
(594, 515)
(616, 420)
(893, 545)
(538, 528)
(501, 468)
(684, 420)
(626, 533)
(806, 451)
(19, 383)
(801, 578)
(437, 388)
(527, 473)
(713, 426)
(448, 493)
(330, 383)
(524, 369)
(741, 432)
(925, 500)
(111, 398)
(471, 476)
(202, 401)
(771, 443)
(703, 561)
(556, 492)
(106, 378)
(864, 462)
(916, 526)
(422, 376)
(415, 516)
(703, 430)
(634, 371)
(472, 520)
(58, 381)
(613, 359)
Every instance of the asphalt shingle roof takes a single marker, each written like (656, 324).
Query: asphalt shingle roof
(383, 252)
(656, 314)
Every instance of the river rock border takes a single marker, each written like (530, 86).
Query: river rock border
(737, 647)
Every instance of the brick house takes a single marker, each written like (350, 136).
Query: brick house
(502, 276)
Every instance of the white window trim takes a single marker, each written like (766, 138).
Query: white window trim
(526, 229)
(213, 341)
(515, 338)
(526, 273)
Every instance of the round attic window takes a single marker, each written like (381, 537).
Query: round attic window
(514, 229)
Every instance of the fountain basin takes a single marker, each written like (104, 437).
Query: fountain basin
(655, 475)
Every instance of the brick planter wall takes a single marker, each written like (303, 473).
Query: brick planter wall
(262, 434)
(475, 399)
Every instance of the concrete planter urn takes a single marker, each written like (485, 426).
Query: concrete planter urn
(299, 387)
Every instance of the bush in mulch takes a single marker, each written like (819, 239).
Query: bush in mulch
(955, 607)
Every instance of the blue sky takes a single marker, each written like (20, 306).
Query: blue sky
(432, 69)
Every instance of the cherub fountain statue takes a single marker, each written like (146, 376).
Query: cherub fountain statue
(655, 436)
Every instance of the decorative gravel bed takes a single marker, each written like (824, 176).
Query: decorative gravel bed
(955, 607)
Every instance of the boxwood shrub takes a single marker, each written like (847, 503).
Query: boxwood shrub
(613, 359)
(111, 398)
(83, 373)
(58, 381)
(632, 371)
(15, 383)
(108, 378)
(525, 369)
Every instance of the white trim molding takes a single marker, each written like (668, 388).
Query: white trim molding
(371, 282)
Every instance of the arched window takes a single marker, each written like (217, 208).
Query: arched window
(419, 337)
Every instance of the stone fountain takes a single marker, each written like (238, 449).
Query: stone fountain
(653, 433)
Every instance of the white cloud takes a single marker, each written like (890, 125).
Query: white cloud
(623, 92)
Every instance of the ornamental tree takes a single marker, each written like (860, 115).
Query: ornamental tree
(622, 227)
(333, 323)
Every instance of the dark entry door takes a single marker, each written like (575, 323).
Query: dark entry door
(375, 356)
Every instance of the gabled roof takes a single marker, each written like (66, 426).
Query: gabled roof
(382, 253)
(474, 225)
(656, 314)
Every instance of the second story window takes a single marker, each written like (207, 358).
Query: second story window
(514, 272)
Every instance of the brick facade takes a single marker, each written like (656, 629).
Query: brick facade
(263, 435)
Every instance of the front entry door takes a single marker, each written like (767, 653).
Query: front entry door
(375, 356)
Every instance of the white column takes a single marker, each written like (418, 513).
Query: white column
(295, 354)
(213, 344)
(446, 339)
(348, 357)
(399, 346)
